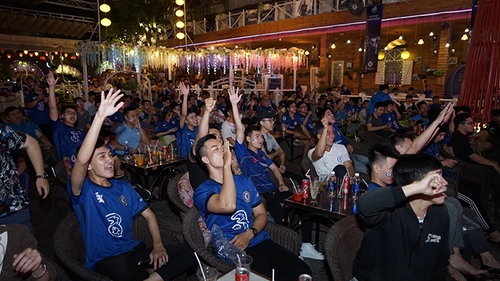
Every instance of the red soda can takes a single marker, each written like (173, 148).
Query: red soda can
(165, 154)
(241, 274)
(305, 188)
(305, 277)
(347, 185)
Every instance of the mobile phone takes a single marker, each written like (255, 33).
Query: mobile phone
(145, 263)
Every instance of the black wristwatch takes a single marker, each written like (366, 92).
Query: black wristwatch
(255, 231)
(42, 176)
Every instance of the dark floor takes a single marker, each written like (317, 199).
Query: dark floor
(47, 214)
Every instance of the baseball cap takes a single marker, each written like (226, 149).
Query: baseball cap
(265, 114)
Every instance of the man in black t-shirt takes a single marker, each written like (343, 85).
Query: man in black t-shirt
(494, 128)
(463, 151)
(376, 124)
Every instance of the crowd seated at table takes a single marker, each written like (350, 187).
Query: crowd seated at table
(261, 133)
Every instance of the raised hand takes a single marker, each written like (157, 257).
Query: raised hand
(228, 156)
(234, 97)
(210, 103)
(324, 121)
(433, 184)
(51, 80)
(184, 88)
(445, 114)
(108, 105)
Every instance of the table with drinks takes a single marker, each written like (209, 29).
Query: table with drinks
(329, 196)
(155, 161)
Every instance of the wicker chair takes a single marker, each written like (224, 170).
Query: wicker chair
(283, 236)
(173, 194)
(370, 137)
(70, 248)
(342, 242)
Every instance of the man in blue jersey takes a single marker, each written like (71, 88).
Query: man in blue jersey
(233, 203)
(106, 208)
(381, 96)
(36, 102)
(16, 121)
(255, 164)
(131, 131)
(188, 125)
(66, 137)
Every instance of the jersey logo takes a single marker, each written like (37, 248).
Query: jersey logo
(75, 137)
(433, 238)
(99, 197)
(246, 196)
(255, 160)
(115, 228)
(123, 200)
(241, 220)
(339, 159)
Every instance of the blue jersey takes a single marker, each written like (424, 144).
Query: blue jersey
(40, 112)
(291, 123)
(66, 139)
(391, 118)
(238, 222)
(255, 166)
(164, 126)
(339, 137)
(341, 115)
(117, 117)
(106, 217)
(309, 123)
(185, 140)
(124, 133)
(28, 127)
(432, 149)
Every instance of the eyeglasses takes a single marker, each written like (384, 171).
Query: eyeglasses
(70, 113)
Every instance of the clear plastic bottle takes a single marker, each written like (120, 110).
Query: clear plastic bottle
(126, 152)
(332, 184)
(355, 186)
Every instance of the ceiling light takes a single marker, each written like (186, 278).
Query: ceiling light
(420, 41)
(447, 45)
(466, 30)
(333, 46)
(400, 37)
(313, 47)
(306, 53)
(360, 49)
(381, 55)
(431, 33)
(348, 41)
(105, 8)
(105, 22)
(179, 2)
(405, 55)
(179, 13)
(179, 24)
(180, 35)
(464, 37)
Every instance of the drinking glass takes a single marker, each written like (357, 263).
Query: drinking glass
(314, 191)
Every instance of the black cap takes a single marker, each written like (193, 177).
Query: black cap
(265, 114)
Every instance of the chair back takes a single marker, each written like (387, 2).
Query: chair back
(370, 137)
(307, 165)
(342, 242)
(194, 237)
(59, 171)
(177, 186)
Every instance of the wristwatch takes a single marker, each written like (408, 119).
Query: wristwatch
(255, 231)
(42, 176)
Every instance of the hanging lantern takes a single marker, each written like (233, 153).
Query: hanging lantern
(73, 57)
(46, 54)
(464, 37)
(105, 8)
(179, 2)
(333, 46)
(42, 58)
(9, 56)
(381, 55)
(180, 35)
(405, 55)
(25, 52)
(65, 55)
(105, 22)
(179, 13)
(21, 54)
(56, 53)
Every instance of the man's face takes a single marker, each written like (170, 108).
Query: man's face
(440, 137)
(496, 119)
(69, 116)
(383, 171)
(80, 103)
(265, 102)
(423, 109)
(378, 111)
(303, 109)
(15, 117)
(468, 125)
(255, 140)
(192, 119)
(292, 108)
(131, 117)
(330, 136)
(102, 163)
(147, 105)
(215, 153)
(409, 100)
(267, 123)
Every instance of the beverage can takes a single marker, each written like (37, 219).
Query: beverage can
(165, 153)
(305, 277)
(305, 188)
(347, 185)
(241, 274)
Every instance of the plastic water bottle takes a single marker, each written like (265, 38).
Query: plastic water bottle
(355, 186)
(332, 182)
(126, 152)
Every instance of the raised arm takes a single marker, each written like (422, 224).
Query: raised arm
(319, 150)
(225, 201)
(204, 123)
(240, 129)
(54, 115)
(108, 107)
(184, 110)
(35, 154)
(424, 138)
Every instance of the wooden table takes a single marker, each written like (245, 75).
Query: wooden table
(253, 276)
(167, 170)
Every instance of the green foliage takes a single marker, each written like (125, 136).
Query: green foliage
(438, 73)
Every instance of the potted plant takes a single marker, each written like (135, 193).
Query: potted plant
(439, 76)
(320, 74)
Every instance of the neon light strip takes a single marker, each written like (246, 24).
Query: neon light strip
(319, 28)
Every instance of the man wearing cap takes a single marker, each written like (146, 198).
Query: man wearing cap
(266, 121)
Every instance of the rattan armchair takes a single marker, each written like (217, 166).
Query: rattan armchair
(342, 242)
(283, 236)
(173, 193)
(70, 248)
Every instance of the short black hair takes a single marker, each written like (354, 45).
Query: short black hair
(10, 109)
(144, 101)
(494, 112)
(383, 87)
(75, 100)
(201, 149)
(411, 89)
(64, 108)
(379, 153)
(414, 167)
(397, 139)
(288, 103)
(379, 104)
(250, 129)
(420, 103)
(216, 126)
(460, 119)
(127, 109)
(409, 96)
(92, 93)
